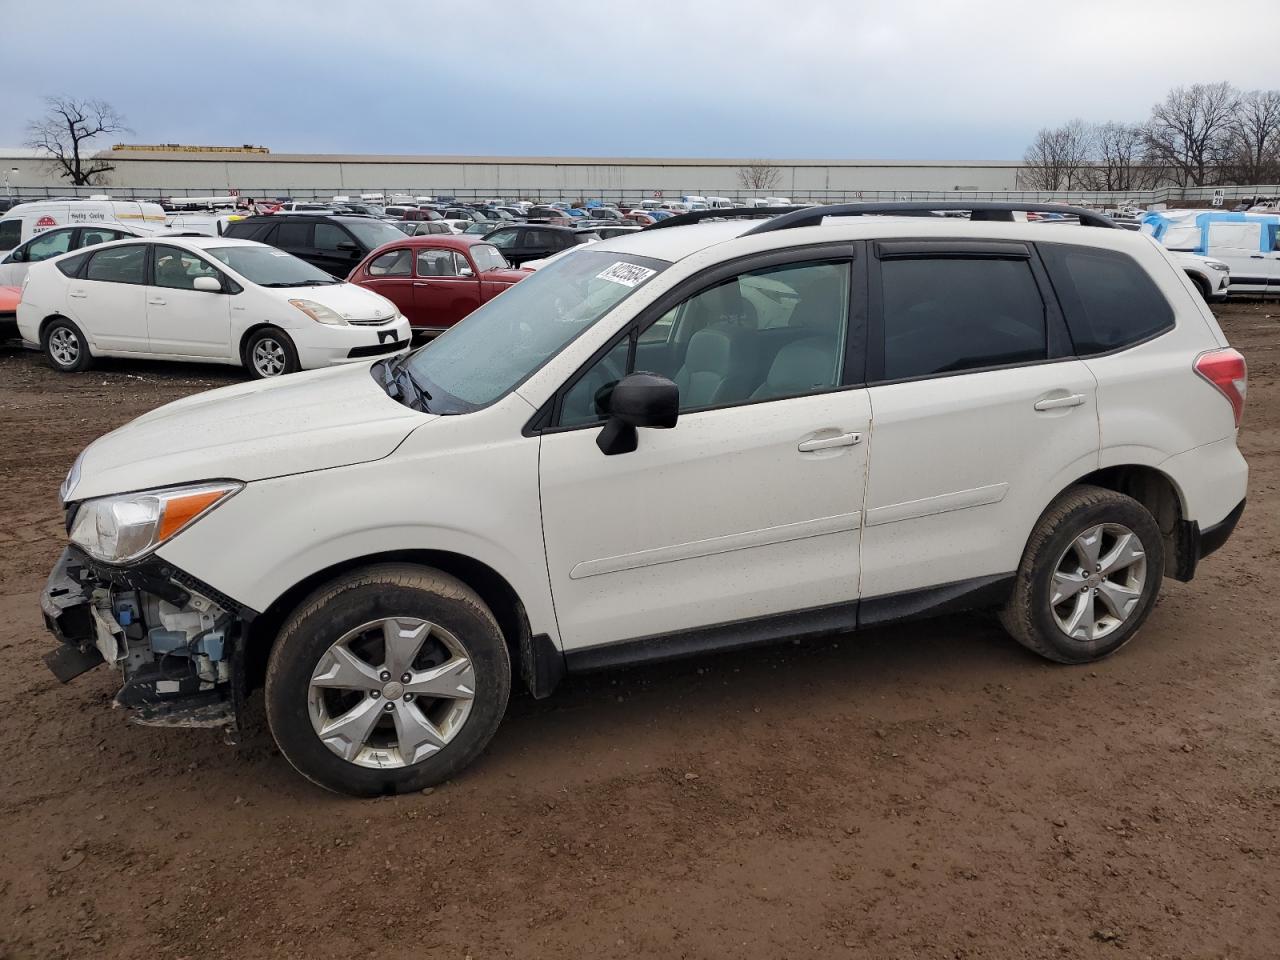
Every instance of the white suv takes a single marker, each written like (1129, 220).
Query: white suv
(679, 440)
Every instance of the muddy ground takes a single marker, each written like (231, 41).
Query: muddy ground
(923, 791)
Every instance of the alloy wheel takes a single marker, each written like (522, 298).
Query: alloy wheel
(64, 346)
(1098, 582)
(391, 692)
(269, 357)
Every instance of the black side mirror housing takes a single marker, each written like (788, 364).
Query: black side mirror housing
(638, 400)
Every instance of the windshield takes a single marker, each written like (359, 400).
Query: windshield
(269, 267)
(372, 233)
(487, 257)
(508, 338)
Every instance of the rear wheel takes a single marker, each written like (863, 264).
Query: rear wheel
(1089, 576)
(391, 679)
(66, 347)
(270, 353)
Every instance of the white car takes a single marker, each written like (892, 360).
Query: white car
(57, 241)
(1212, 277)
(680, 440)
(211, 299)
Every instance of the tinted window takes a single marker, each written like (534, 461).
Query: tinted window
(246, 231)
(763, 335)
(944, 316)
(540, 238)
(48, 245)
(1108, 299)
(10, 233)
(178, 269)
(292, 236)
(395, 263)
(503, 238)
(330, 237)
(71, 265)
(118, 264)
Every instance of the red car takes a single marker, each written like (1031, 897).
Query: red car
(9, 297)
(436, 280)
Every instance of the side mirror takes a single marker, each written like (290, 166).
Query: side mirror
(19, 255)
(348, 245)
(207, 284)
(638, 400)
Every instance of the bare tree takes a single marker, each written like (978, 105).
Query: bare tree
(1190, 129)
(1058, 158)
(1254, 139)
(64, 132)
(759, 175)
(1118, 153)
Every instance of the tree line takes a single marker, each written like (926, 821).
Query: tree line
(1207, 134)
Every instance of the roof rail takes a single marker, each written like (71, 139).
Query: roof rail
(694, 216)
(978, 210)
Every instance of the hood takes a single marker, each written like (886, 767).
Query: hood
(252, 431)
(350, 302)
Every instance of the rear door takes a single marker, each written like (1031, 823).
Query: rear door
(109, 303)
(181, 320)
(981, 415)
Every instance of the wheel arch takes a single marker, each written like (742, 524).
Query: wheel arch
(1164, 500)
(248, 334)
(493, 588)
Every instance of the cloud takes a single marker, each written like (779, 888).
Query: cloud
(927, 79)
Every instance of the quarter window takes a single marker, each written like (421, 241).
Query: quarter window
(118, 264)
(177, 269)
(950, 315)
(1107, 297)
(395, 263)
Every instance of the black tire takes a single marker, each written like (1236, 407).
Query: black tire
(1029, 616)
(1203, 286)
(60, 337)
(285, 352)
(361, 597)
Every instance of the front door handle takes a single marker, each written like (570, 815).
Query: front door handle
(826, 443)
(1057, 403)
(156, 302)
(421, 283)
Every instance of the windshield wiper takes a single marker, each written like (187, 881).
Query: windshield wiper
(300, 283)
(400, 385)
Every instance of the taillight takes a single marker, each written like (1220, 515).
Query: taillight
(1226, 370)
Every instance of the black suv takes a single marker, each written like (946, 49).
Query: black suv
(522, 242)
(335, 244)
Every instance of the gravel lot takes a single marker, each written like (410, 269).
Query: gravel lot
(922, 791)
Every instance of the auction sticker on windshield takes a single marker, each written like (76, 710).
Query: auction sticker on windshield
(627, 274)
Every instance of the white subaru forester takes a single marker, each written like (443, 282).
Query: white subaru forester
(687, 439)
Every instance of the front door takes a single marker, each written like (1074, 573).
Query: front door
(109, 303)
(1239, 244)
(981, 415)
(445, 289)
(750, 507)
(181, 320)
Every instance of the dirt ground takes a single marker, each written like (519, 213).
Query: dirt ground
(922, 791)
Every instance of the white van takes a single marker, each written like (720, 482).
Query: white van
(27, 219)
(720, 203)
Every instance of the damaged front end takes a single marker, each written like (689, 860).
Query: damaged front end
(176, 641)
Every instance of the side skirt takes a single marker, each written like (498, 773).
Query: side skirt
(818, 621)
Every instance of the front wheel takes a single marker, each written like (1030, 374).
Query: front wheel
(1089, 576)
(66, 347)
(391, 679)
(270, 353)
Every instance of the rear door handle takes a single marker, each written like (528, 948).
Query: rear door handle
(156, 302)
(1057, 403)
(826, 443)
(78, 294)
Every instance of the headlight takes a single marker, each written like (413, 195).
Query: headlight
(124, 528)
(1217, 265)
(72, 478)
(319, 312)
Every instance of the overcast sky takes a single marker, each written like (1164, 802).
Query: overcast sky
(875, 79)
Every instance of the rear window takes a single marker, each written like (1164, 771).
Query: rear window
(1109, 300)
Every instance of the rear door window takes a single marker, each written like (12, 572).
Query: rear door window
(293, 236)
(944, 315)
(1107, 297)
(124, 264)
